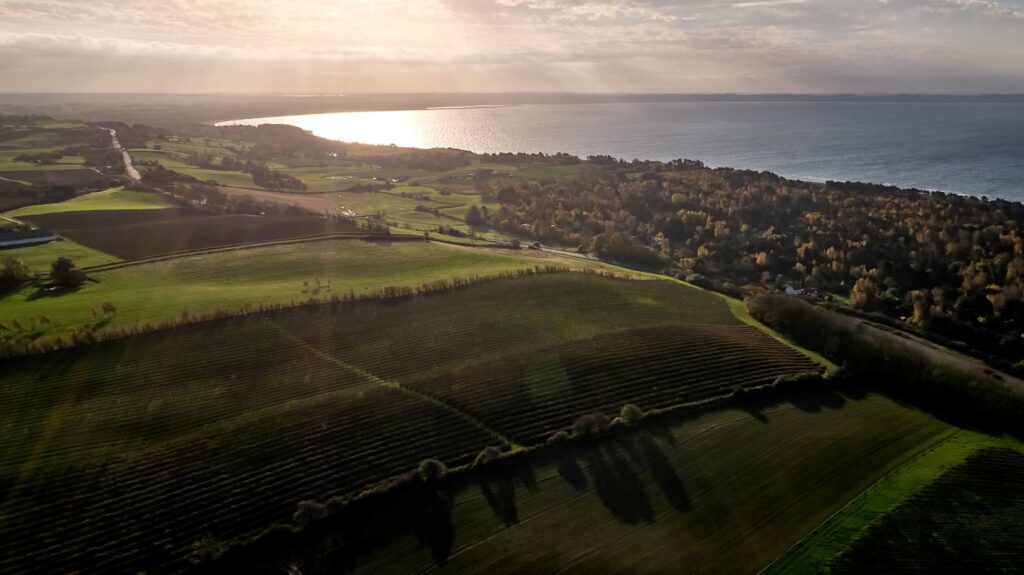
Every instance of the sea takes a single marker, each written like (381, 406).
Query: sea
(964, 147)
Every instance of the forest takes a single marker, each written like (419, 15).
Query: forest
(947, 264)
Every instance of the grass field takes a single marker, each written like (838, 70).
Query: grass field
(156, 232)
(151, 292)
(834, 538)
(177, 163)
(198, 418)
(9, 164)
(724, 492)
(39, 257)
(966, 521)
(112, 199)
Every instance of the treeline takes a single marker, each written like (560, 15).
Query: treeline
(439, 160)
(897, 363)
(949, 264)
(525, 159)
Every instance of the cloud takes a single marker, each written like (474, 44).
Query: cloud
(498, 45)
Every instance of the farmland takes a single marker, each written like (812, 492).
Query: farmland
(967, 520)
(655, 367)
(39, 155)
(112, 199)
(39, 257)
(157, 291)
(143, 399)
(898, 493)
(157, 232)
(212, 369)
(722, 492)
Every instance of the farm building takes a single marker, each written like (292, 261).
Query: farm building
(25, 238)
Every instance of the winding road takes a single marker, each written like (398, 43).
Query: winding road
(129, 168)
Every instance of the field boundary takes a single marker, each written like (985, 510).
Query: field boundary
(836, 534)
(233, 247)
(380, 381)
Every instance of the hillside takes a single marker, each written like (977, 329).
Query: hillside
(240, 398)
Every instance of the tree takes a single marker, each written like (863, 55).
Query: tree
(474, 217)
(590, 425)
(60, 271)
(864, 294)
(431, 470)
(631, 414)
(489, 454)
(13, 272)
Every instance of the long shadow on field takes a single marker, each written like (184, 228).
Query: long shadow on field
(500, 492)
(817, 400)
(618, 484)
(661, 470)
(435, 527)
(570, 470)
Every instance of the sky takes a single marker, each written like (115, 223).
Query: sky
(650, 46)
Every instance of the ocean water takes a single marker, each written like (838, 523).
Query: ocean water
(962, 147)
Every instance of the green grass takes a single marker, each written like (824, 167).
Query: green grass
(39, 257)
(112, 199)
(8, 163)
(722, 493)
(165, 417)
(835, 537)
(229, 280)
(177, 164)
(966, 521)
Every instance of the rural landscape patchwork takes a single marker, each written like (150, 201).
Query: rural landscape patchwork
(248, 349)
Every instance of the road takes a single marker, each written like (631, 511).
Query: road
(129, 168)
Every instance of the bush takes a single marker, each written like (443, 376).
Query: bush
(431, 470)
(13, 272)
(309, 511)
(559, 437)
(590, 425)
(64, 273)
(631, 414)
(488, 455)
(206, 550)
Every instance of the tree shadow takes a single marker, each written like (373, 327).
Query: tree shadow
(618, 485)
(662, 432)
(572, 473)
(500, 494)
(756, 412)
(662, 471)
(435, 527)
(816, 400)
(50, 292)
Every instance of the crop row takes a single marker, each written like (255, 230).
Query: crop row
(173, 230)
(153, 387)
(147, 511)
(436, 334)
(530, 395)
(968, 520)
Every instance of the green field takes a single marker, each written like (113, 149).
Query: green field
(195, 419)
(8, 163)
(721, 493)
(177, 163)
(835, 538)
(39, 257)
(112, 199)
(966, 521)
(157, 291)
